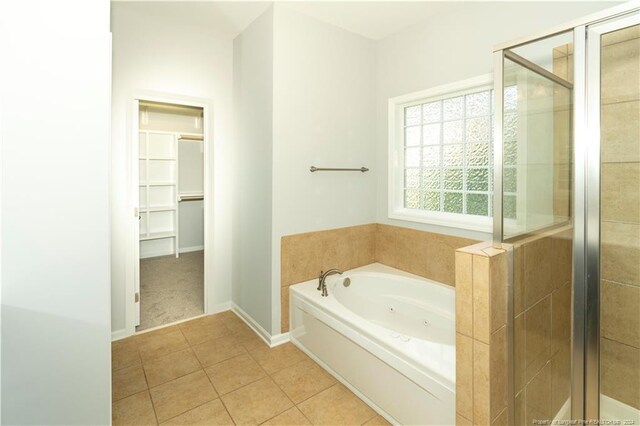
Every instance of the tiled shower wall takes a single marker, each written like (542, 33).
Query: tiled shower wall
(562, 136)
(620, 230)
(426, 254)
(542, 324)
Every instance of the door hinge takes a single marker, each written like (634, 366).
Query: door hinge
(137, 297)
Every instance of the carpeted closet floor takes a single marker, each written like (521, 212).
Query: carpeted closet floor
(171, 289)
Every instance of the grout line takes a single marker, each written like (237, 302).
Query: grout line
(319, 392)
(619, 342)
(219, 396)
(227, 410)
(304, 415)
(153, 405)
(150, 399)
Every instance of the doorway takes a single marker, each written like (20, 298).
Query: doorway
(170, 261)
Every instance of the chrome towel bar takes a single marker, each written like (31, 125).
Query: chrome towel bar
(324, 169)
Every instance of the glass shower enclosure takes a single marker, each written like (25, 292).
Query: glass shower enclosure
(567, 200)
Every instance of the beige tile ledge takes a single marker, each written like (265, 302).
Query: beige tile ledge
(485, 248)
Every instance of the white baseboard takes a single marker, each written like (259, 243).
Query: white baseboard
(190, 249)
(221, 307)
(272, 341)
(279, 339)
(159, 253)
(119, 334)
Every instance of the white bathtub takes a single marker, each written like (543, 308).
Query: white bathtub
(389, 336)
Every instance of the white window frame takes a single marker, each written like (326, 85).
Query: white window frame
(396, 106)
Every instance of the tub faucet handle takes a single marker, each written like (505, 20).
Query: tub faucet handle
(320, 280)
(323, 280)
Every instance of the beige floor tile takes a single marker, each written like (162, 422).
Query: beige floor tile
(244, 334)
(144, 336)
(124, 353)
(291, 417)
(225, 314)
(127, 381)
(217, 350)
(378, 420)
(232, 321)
(274, 359)
(234, 373)
(171, 367)
(128, 343)
(181, 395)
(161, 344)
(336, 406)
(210, 414)
(303, 380)
(203, 329)
(135, 410)
(257, 402)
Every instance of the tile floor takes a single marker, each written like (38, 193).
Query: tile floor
(215, 370)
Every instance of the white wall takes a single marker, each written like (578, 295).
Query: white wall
(191, 181)
(55, 212)
(448, 47)
(154, 52)
(253, 97)
(323, 115)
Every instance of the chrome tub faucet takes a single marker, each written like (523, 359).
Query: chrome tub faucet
(322, 284)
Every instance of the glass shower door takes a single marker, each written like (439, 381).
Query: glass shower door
(613, 57)
(537, 198)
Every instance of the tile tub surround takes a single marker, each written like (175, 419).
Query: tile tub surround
(481, 273)
(426, 254)
(214, 370)
(620, 229)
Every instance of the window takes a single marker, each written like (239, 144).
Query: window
(441, 160)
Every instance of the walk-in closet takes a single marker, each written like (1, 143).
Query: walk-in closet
(171, 213)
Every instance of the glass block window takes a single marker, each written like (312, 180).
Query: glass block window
(510, 154)
(448, 154)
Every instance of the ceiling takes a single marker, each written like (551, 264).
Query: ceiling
(374, 20)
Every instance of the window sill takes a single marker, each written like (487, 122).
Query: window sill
(451, 220)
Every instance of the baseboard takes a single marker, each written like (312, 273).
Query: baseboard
(190, 249)
(221, 307)
(161, 253)
(119, 334)
(272, 341)
(279, 339)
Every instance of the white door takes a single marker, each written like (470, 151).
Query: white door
(140, 147)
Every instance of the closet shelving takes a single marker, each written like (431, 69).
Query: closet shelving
(158, 185)
(157, 182)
